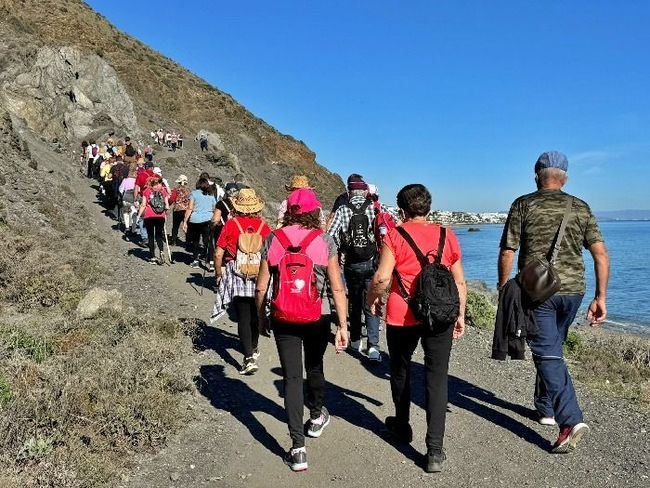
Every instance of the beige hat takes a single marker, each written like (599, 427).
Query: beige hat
(182, 179)
(247, 201)
(298, 181)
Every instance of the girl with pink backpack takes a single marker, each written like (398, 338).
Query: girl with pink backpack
(300, 258)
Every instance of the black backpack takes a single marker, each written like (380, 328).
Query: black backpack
(157, 202)
(359, 243)
(435, 302)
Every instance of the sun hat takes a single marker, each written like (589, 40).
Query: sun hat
(181, 179)
(157, 171)
(552, 159)
(298, 181)
(247, 201)
(302, 201)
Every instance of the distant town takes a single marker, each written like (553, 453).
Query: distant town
(446, 217)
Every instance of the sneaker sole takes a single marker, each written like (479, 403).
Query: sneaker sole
(572, 441)
(297, 468)
(249, 371)
(316, 435)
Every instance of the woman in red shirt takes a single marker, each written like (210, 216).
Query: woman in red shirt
(241, 288)
(404, 331)
(154, 206)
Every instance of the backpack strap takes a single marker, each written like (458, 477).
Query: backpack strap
(409, 240)
(241, 230)
(284, 241)
(441, 244)
(282, 238)
(259, 231)
(309, 238)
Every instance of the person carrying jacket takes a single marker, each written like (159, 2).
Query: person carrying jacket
(532, 226)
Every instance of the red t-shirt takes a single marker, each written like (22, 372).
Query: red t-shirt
(426, 236)
(148, 211)
(142, 177)
(230, 233)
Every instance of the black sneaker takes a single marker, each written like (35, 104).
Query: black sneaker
(434, 461)
(316, 427)
(250, 367)
(400, 432)
(297, 459)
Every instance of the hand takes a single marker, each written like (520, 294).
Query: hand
(265, 326)
(218, 277)
(375, 306)
(459, 328)
(184, 227)
(341, 339)
(597, 312)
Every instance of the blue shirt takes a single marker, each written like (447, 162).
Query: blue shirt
(203, 207)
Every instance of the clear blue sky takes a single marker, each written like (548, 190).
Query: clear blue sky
(459, 95)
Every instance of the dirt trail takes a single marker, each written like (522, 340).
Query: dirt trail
(239, 435)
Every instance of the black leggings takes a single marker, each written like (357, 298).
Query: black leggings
(196, 232)
(291, 340)
(155, 232)
(402, 342)
(247, 324)
(177, 220)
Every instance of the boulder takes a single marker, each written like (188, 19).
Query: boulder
(98, 299)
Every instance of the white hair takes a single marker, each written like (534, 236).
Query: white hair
(546, 175)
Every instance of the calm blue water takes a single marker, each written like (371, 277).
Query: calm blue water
(628, 300)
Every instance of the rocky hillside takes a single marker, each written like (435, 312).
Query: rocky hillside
(69, 74)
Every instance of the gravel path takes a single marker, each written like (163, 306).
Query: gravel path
(238, 434)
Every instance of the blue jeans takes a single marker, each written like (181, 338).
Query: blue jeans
(142, 229)
(358, 277)
(555, 395)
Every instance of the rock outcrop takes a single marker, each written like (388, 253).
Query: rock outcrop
(64, 94)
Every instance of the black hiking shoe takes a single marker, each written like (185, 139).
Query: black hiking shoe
(400, 432)
(297, 459)
(434, 461)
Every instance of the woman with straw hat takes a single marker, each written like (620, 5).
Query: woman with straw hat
(239, 250)
(297, 182)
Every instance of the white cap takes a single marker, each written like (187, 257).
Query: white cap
(157, 171)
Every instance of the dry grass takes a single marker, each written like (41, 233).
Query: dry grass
(616, 364)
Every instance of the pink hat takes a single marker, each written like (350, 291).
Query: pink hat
(302, 200)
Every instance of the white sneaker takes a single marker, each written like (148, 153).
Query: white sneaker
(211, 267)
(256, 354)
(356, 345)
(374, 354)
(550, 421)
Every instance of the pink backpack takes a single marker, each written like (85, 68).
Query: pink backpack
(295, 294)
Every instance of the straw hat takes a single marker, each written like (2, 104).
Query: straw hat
(298, 181)
(247, 201)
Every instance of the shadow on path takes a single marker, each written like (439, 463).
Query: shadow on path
(240, 400)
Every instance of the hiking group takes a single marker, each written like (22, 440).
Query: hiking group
(365, 264)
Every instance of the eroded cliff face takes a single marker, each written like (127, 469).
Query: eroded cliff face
(64, 94)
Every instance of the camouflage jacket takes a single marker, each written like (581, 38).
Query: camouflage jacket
(533, 222)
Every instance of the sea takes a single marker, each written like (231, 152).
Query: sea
(628, 243)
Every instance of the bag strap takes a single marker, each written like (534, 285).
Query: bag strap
(441, 245)
(422, 259)
(560, 233)
(241, 230)
(282, 238)
(259, 231)
(309, 238)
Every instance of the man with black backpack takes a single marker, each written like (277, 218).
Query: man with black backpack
(352, 230)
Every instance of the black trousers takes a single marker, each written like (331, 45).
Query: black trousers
(90, 169)
(195, 233)
(291, 340)
(155, 233)
(402, 342)
(247, 324)
(177, 220)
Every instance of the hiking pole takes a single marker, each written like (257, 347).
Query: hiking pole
(169, 251)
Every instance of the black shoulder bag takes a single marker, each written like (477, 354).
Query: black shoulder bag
(539, 278)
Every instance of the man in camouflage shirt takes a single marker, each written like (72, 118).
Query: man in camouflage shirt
(531, 228)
